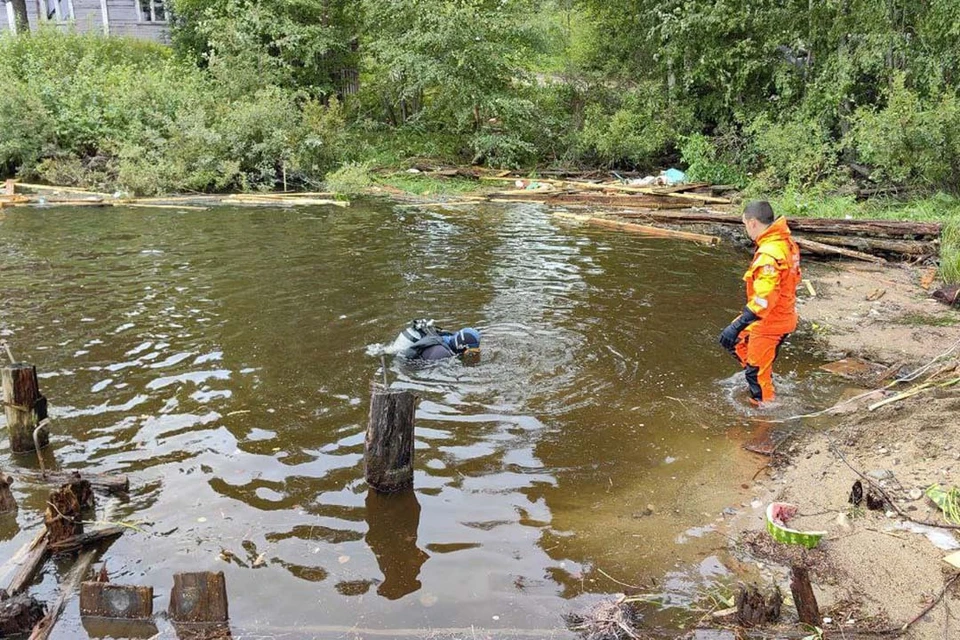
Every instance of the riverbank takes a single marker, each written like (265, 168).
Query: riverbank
(873, 569)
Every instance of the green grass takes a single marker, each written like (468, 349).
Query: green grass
(941, 208)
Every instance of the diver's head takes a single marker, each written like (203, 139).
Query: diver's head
(466, 340)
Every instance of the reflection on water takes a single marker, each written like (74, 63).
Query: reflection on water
(220, 358)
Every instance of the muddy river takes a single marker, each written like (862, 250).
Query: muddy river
(221, 359)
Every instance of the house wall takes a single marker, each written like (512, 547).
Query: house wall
(124, 19)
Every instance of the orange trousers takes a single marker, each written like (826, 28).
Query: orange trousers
(756, 352)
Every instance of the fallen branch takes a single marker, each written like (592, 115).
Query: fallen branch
(926, 386)
(74, 543)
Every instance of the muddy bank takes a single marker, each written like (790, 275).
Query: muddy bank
(873, 569)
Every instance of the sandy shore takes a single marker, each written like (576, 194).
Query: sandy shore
(873, 569)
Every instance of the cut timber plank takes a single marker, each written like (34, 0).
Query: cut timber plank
(827, 250)
(47, 187)
(73, 543)
(641, 229)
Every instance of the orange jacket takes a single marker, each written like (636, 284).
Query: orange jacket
(772, 280)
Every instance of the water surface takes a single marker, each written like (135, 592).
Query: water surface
(221, 359)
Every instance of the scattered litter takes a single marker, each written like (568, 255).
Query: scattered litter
(953, 559)
(940, 538)
(876, 294)
(810, 289)
(778, 514)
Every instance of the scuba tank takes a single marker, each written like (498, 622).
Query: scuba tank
(416, 330)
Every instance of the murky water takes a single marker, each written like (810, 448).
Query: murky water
(220, 358)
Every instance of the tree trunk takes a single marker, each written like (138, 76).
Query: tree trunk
(20, 16)
(7, 501)
(62, 518)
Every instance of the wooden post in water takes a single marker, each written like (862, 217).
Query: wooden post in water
(199, 598)
(7, 501)
(388, 448)
(62, 517)
(24, 406)
(105, 600)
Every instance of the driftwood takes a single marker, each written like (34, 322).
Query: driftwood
(641, 229)
(820, 249)
(653, 202)
(30, 558)
(199, 598)
(62, 517)
(915, 248)
(108, 483)
(77, 542)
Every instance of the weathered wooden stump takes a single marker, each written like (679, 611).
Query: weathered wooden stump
(105, 600)
(19, 614)
(754, 609)
(7, 501)
(199, 597)
(388, 449)
(803, 596)
(62, 517)
(23, 406)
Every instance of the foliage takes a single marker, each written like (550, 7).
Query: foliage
(717, 160)
(351, 178)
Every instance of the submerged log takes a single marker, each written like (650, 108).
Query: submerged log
(388, 446)
(199, 598)
(803, 596)
(106, 482)
(19, 614)
(24, 406)
(819, 249)
(105, 600)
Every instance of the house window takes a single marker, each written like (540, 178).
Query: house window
(152, 10)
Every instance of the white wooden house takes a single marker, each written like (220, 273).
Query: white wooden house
(146, 19)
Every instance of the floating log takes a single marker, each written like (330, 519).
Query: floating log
(388, 446)
(86, 539)
(62, 517)
(754, 609)
(199, 598)
(555, 198)
(820, 249)
(108, 483)
(19, 614)
(23, 406)
(803, 595)
(30, 558)
(105, 600)
(657, 232)
(47, 187)
(42, 630)
(7, 501)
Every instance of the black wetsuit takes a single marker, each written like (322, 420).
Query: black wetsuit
(429, 348)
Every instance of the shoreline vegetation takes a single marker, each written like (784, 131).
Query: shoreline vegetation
(847, 110)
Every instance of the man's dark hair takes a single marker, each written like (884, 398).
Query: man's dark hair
(759, 210)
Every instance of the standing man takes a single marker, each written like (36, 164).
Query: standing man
(770, 315)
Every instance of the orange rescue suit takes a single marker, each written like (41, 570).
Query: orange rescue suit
(772, 281)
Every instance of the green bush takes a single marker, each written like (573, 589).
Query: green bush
(795, 151)
(911, 140)
(352, 178)
(717, 160)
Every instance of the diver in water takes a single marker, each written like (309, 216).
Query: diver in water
(422, 340)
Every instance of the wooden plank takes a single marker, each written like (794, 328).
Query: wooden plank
(48, 187)
(32, 556)
(86, 539)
